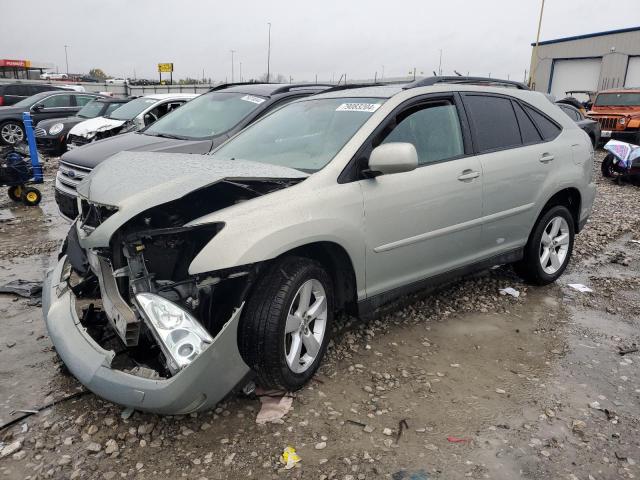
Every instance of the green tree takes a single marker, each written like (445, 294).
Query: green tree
(97, 73)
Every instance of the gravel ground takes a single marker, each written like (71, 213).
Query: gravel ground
(463, 383)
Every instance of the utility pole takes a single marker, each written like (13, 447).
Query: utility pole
(440, 65)
(414, 74)
(66, 58)
(241, 71)
(269, 53)
(232, 52)
(382, 76)
(534, 54)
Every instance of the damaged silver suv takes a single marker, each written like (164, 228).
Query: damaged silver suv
(186, 277)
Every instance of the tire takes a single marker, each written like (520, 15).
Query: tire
(11, 132)
(15, 193)
(531, 268)
(607, 166)
(264, 343)
(31, 196)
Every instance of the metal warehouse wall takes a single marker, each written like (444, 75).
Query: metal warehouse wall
(614, 64)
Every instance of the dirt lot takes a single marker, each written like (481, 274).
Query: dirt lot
(464, 383)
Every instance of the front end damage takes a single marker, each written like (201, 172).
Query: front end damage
(132, 324)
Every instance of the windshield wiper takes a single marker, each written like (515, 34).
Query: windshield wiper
(167, 135)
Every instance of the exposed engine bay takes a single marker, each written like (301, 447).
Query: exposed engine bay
(137, 298)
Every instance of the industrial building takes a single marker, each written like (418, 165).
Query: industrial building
(595, 61)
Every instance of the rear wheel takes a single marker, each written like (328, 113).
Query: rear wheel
(285, 328)
(31, 196)
(15, 193)
(607, 167)
(549, 248)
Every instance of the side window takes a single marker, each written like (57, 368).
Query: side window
(82, 100)
(493, 121)
(111, 107)
(547, 128)
(433, 129)
(528, 130)
(13, 90)
(57, 101)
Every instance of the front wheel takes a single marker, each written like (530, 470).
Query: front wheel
(607, 166)
(284, 330)
(549, 248)
(11, 132)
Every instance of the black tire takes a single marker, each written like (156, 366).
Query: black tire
(530, 267)
(15, 193)
(12, 125)
(31, 196)
(607, 167)
(261, 334)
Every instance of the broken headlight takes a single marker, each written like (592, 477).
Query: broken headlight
(180, 335)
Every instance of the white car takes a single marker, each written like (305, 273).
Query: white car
(132, 116)
(53, 76)
(116, 81)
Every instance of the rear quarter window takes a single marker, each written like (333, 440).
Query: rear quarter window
(547, 128)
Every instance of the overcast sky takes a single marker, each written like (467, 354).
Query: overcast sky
(327, 38)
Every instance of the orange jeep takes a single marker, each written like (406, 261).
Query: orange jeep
(618, 112)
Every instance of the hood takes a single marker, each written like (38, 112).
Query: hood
(136, 181)
(67, 121)
(90, 127)
(92, 154)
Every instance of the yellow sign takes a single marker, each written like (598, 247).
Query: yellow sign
(165, 67)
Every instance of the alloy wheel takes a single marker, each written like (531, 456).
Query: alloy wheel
(11, 133)
(305, 327)
(554, 245)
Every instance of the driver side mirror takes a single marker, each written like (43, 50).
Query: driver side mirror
(37, 107)
(397, 157)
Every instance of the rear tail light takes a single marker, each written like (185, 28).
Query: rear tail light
(1, 100)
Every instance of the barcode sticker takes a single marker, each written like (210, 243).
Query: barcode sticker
(252, 99)
(358, 107)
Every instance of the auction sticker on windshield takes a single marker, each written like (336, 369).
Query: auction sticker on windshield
(252, 99)
(358, 107)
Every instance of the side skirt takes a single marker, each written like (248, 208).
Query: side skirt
(371, 307)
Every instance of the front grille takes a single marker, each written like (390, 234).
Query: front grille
(40, 132)
(77, 140)
(609, 123)
(67, 204)
(92, 215)
(69, 176)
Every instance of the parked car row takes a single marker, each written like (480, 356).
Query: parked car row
(186, 276)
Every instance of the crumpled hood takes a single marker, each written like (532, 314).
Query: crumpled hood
(94, 125)
(136, 181)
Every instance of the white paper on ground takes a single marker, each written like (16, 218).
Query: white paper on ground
(510, 291)
(580, 287)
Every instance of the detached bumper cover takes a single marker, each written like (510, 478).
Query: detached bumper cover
(201, 385)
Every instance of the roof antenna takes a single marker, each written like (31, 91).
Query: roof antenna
(457, 73)
(434, 73)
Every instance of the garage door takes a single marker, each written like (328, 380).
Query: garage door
(633, 73)
(580, 74)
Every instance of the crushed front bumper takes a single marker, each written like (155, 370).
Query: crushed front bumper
(199, 386)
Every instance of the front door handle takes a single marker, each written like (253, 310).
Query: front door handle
(546, 157)
(468, 175)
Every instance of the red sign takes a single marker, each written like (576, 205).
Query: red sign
(14, 63)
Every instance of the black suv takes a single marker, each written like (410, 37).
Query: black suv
(56, 104)
(51, 135)
(12, 93)
(197, 127)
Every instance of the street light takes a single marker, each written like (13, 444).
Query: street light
(66, 58)
(268, 52)
(232, 52)
(534, 54)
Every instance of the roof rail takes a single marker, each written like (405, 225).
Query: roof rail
(337, 88)
(497, 82)
(292, 86)
(222, 86)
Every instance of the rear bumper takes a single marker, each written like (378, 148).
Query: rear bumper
(216, 372)
(631, 136)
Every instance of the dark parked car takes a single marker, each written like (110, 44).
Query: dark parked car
(56, 104)
(12, 93)
(591, 127)
(51, 135)
(197, 127)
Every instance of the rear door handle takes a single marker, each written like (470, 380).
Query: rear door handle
(468, 175)
(546, 157)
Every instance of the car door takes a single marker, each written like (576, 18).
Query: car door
(421, 223)
(54, 106)
(516, 161)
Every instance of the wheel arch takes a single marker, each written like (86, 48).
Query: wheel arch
(338, 264)
(569, 197)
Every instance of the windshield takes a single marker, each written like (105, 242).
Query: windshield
(26, 102)
(205, 116)
(131, 110)
(618, 100)
(91, 109)
(304, 135)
